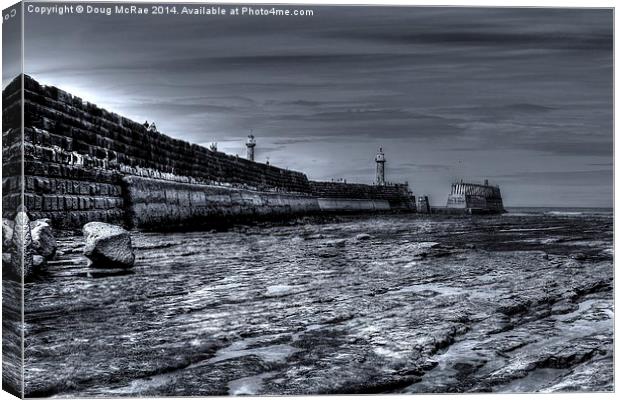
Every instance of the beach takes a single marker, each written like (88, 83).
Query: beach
(521, 302)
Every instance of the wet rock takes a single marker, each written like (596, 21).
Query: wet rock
(336, 243)
(586, 377)
(7, 233)
(569, 355)
(45, 220)
(37, 260)
(362, 236)
(43, 241)
(512, 305)
(498, 323)
(427, 293)
(6, 259)
(564, 307)
(440, 253)
(469, 367)
(327, 253)
(579, 256)
(108, 245)
(326, 319)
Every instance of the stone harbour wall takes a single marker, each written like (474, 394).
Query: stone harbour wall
(76, 126)
(397, 196)
(11, 148)
(473, 203)
(157, 204)
(352, 205)
(475, 198)
(77, 156)
(12, 291)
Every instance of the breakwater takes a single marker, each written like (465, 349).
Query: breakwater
(83, 163)
(392, 197)
(474, 198)
(154, 203)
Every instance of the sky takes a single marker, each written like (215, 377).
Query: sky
(522, 97)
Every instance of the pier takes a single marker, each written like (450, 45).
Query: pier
(83, 163)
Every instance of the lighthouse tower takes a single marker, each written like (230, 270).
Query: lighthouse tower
(250, 144)
(380, 160)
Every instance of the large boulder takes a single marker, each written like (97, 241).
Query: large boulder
(7, 234)
(108, 246)
(43, 241)
(7, 243)
(27, 245)
(38, 261)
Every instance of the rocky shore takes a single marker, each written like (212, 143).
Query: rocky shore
(398, 303)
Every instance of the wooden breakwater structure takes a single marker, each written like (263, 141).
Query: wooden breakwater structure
(82, 163)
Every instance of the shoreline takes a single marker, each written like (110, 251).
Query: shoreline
(291, 309)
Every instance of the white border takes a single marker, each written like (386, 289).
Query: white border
(464, 3)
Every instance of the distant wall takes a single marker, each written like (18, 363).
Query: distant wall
(423, 205)
(476, 189)
(473, 196)
(475, 202)
(397, 196)
(160, 204)
(353, 205)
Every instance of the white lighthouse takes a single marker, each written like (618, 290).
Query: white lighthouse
(250, 144)
(380, 160)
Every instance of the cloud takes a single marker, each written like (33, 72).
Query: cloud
(581, 149)
(500, 89)
(573, 178)
(498, 38)
(429, 167)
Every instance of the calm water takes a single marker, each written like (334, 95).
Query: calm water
(521, 302)
(561, 211)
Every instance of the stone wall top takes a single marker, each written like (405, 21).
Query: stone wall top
(57, 118)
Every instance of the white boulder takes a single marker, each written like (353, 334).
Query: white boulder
(7, 233)
(43, 241)
(108, 246)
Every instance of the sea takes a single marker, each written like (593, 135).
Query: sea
(567, 211)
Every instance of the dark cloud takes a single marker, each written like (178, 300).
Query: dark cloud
(548, 29)
(577, 149)
(576, 178)
(502, 111)
(449, 93)
(498, 38)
